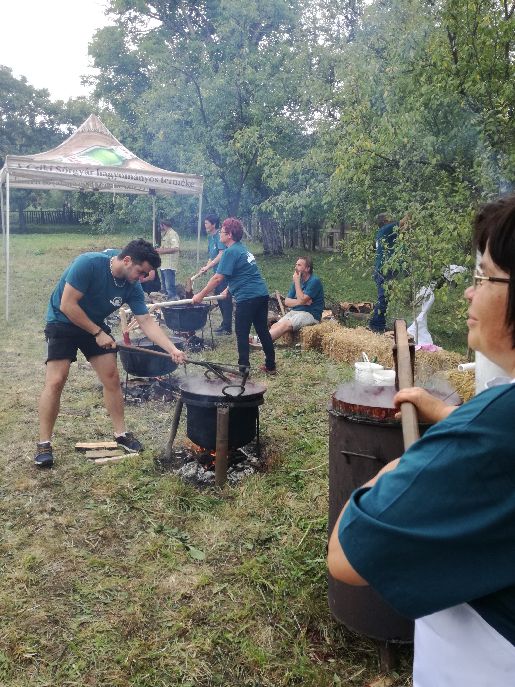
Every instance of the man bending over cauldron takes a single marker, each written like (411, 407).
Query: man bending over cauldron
(91, 288)
(305, 298)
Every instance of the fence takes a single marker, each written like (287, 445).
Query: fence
(64, 216)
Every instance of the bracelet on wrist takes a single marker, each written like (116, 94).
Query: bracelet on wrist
(99, 331)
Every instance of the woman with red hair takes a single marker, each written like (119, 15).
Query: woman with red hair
(249, 291)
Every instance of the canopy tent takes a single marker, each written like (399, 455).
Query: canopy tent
(91, 159)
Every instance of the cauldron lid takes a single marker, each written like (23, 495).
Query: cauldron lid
(212, 388)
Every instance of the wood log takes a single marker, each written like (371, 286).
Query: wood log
(88, 445)
(105, 453)
(113, 459)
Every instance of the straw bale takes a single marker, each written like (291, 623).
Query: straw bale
(463, 382)
(347, 345)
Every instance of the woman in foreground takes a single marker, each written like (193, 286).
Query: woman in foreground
(434, 531)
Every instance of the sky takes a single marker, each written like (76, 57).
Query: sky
(47, 42)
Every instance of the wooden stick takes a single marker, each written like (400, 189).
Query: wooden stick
(281, 306)
(409, 416)
(222, 445)
(86, 445)
(184, 301)
(112, 459)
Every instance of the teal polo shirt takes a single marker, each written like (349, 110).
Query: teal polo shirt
(90, 274)
(214, 246)
(239, 267)
(314, 289)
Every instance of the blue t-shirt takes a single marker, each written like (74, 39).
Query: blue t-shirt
(314, 289)
(90, 274)
(214, 246)
(385, 240)
(439, 530)
(239, 267)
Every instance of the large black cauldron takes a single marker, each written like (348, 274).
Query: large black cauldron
(202, 396)
(144, 365)
(186, 318)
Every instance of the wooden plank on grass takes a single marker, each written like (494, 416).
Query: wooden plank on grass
(87, 445)
(113, 459)
(105, 453)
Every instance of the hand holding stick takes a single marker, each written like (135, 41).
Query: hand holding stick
(404, 370)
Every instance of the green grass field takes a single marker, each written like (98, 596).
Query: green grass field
(98, 583)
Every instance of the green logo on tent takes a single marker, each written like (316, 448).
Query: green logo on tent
(107, 157)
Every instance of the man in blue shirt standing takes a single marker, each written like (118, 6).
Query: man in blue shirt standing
(384, 245)
(305, 298)
(91, 288)
(215, 249)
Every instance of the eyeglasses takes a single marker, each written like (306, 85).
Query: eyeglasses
(479, 278)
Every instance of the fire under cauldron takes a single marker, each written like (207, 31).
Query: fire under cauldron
(186, 318)
(220, 416)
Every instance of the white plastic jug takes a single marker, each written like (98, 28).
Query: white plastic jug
(364, 369)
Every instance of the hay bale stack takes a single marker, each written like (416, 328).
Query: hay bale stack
(312, 337)
(347, 345)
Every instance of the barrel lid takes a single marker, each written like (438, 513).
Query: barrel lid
(356, 399)
(212, 388)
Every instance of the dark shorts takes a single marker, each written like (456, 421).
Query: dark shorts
(64, 340)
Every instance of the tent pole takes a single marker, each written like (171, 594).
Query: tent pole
(7, 261)
(3, 217)
(154, 242)
(199, 227)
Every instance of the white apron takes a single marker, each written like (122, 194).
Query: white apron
(457, 648)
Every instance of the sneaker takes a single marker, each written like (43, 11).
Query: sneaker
(219, 331)
(129, 442)
(254, 340)
(264, 368)
(44, 456)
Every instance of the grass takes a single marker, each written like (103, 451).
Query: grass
(124, 576)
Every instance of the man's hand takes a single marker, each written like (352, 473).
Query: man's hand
(197, 298)
(178, 356)
(224, 293)
(105, 340)
(430, 408)
(204, 269)
(296, 277)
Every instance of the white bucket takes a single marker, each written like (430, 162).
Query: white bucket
(363, 371)
(384, 377)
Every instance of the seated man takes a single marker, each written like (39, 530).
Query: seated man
(305, 298)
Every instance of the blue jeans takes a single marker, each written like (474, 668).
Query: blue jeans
(377, 322)
(169, 282)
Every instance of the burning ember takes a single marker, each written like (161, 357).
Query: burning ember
(151, 389)
(196, 465)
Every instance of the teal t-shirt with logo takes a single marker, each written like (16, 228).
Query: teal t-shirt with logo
(90, 274)
(244, 279)
(214, 246)
(313, 288)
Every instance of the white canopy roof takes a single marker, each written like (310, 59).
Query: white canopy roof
(92, 159)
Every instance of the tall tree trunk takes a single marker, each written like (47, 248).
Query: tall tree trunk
(271, 235)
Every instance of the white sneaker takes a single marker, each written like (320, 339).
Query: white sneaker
(254, 340)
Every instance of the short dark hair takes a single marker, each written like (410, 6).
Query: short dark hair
(308, 261)
(166, 222)
(141, 251)
(494, 228)
(233, 227)
(382, 218)
(212, 219)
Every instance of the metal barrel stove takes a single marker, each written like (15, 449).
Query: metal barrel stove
(363, 437)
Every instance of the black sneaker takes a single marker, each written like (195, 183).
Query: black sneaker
(220, 331)
(44, 456)
(129, 441)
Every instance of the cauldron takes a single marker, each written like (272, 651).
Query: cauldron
(144, 365)
(186, 318)
(202, 396)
